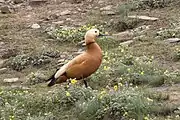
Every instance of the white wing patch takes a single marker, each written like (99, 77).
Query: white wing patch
(61, 71)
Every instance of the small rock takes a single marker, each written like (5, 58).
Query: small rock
(1, 63)
(126, 43)
(61, 60)
(107, 8)
(101, 1)
(11, 80)
(66, 12)
(142, 28)
(37, 2)
(2, 1)
(108, 13)
(62, 56)
(58, 22)
(5, 10)
(81, 42)
(7, 52)
(172, 40)
(3, 70)
(29, 8)
(123, 36)
(35, 26)
(144, 18)
(18, 1)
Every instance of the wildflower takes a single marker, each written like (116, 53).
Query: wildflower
(146, 118)
(68, 94)
(152, 57)
(67, 86)
(151, 100)
(73, 81)
(115, 87)
(106, 33)
(125, 114)
(120, 84)
(106, 68)
(128, 69)
(11, 117)
(103, 92)
(122, 50)
(142, 73)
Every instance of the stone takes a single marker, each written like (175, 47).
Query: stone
(143, 17)
(7, 51)
(107, 8)
(172, 40)
(11, 80)
(81, 43)
(58, 22)
(101, 2)
(18, 1)
(37, 2)
(63, 56)
(5, 9)
(2, 1)
(3, 70)
(123, 36)
(127, 43)
(66, 12)
(1, 63)
(142, 28)
(108, 13)
(61, 60)
(35, 26)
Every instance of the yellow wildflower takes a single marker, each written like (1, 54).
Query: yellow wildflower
(128, 69)
(106, 33)
(68, 94)
(120, 84)
(146, 118)
(125, 114)
(73, 81)
(142, 73)
(103, 92)
(115, 87)
(106, 68)
(151, 100)
(101, 97)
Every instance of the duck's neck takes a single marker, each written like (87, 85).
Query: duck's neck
(94, 49)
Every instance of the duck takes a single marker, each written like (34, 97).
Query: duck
(83, 65)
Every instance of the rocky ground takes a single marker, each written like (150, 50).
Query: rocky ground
(26, 27)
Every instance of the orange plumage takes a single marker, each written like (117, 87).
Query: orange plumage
(82, 65)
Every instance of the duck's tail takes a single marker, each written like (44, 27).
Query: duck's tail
(52, 80)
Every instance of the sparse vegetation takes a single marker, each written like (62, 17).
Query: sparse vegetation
(137, 82)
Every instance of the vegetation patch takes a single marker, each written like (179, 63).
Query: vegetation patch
(72, 35)
(118, 102)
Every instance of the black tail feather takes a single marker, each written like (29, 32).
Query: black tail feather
(53, 79)
(53, 82)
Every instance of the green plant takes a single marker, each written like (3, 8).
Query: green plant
(73, 34)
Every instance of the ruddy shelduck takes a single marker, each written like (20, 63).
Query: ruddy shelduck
(82, 65)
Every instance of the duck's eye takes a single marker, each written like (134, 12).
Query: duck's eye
(95, 31)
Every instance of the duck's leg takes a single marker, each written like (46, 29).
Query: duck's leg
(85, 83)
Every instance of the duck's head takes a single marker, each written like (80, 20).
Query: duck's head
(91, 36)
